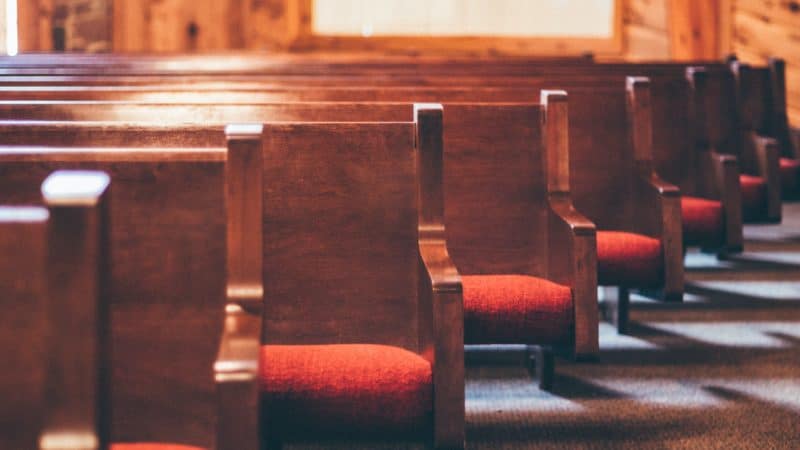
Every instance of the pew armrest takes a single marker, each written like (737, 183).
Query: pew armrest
(236, 378)
(726, 179)
(572, 261)
(442, 339)
(767, 159)
(665, 223)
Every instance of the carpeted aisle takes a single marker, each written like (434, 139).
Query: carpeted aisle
(719, 371)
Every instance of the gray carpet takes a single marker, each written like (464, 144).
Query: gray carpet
(719, 371)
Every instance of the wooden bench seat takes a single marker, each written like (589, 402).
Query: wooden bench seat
(724, 130)
(584, 122)
(467, 131)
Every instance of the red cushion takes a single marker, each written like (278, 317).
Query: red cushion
(702, 221)
(345, 388)
(628, 259)
(151, 446)
(516, 309)
(754, 197)
(790, 171)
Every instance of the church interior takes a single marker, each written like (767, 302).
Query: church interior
(399, 224)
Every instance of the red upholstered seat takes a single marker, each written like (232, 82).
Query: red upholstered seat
(628, 259)
(344, 388)
(790, 172)
(702, 221)
(754, 197)
(515, 309)
(151, 446)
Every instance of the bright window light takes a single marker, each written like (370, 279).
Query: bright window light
(12, 38)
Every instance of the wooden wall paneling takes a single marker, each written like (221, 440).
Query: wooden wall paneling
(694, 29)
(761, 30)
(645, 29)
(35, 25)
(179, 25)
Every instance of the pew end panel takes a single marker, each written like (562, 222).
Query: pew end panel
(441, 309)
(727, 190)
(499, 238)
(167, 217)
(77, 383)
(576, 266)
(237, 364)
(768, 164)
(24, 335)
(665, 223)
(778, 117)
(345, 261)
(664, 219)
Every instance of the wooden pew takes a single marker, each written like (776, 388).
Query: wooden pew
(366, 240)
(770, 82)
(602, 125)
(166, 299)
(778, 118)
(23, 280)
(729, 131)
(466, 133)
(77, 408)
(396, 140)
(56, 299)
(703, 177)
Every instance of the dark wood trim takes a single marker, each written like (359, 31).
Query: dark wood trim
(237, 363)
(440, 292)
(726, 180)
(77, 384)
(576, 265)
(767, 160)
(655, 191)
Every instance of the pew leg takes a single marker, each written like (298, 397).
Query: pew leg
(541, 365)
(615, 310)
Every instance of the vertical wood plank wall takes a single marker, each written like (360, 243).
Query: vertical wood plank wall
(764, 28)
(646, 30)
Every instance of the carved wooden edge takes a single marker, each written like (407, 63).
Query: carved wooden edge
(640, 117)
(440, 291)
(778, 116)
(726, 178)
(697, 77)
(236, 367)
(658, 192)
(768, 160)
(77, 380)
(23, 232)
(555, 120)
(575, 266)
(740, 72)
(667, 199)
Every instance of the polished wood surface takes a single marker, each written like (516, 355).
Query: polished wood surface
(24, 331)
(439, 290)
(78, 411)
(237, 364)
(167, 280)
(512, 242)
(667, 198)
(743, 134)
